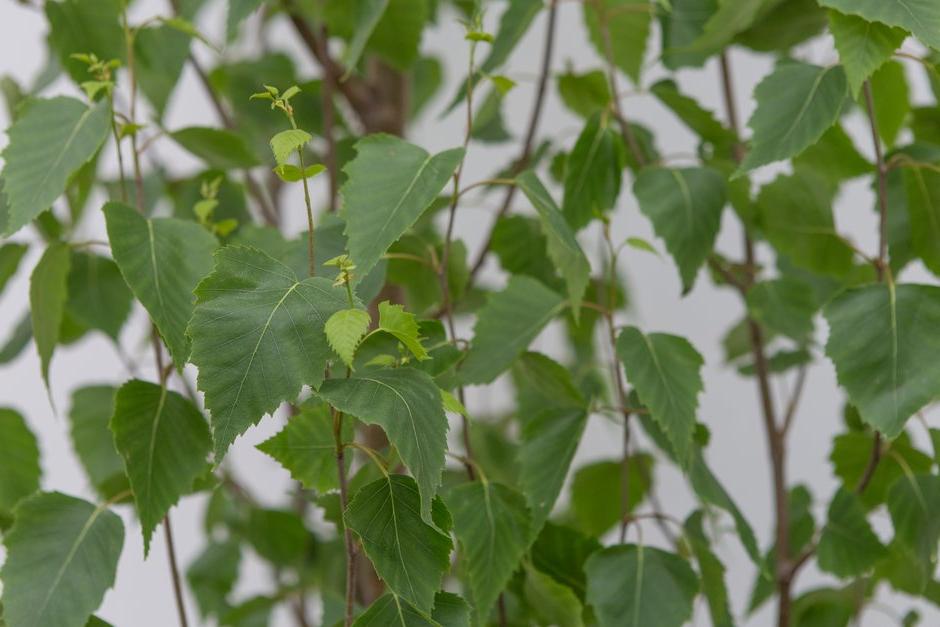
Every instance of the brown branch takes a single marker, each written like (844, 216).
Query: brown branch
(348, 542)
(174, 572)
(523, 160)
(776, 443)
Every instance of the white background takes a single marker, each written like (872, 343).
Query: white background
(729, 406)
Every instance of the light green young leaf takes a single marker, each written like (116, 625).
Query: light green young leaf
(344, 330)
(883, 345)
(562, 247)
(92, 408)
(165, 443)
(212, 575)
(593, 172)
(394, 320)
(306, 448)
(848, 547)
(49, 141)
(367, 15)
(409, 554)
(552, 602)
(85, 27)
(390, 183)
(19, 463)
(492, 523)
(549, 441)
(407, 404)
(627, 24)
(637, 586)
(506, 326)
(795, 214)
(62, 555)
(290, 173)
(219, 148)
(796, 104)
(666, 372)
(47, 297)
(920, 17)
(258, 337)
(162, 260)
(684, 206)
(863, 46)
(288, 142)
(711, 569)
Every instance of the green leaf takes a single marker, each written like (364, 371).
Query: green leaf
(699, 120)
(597, 491)
(238, 11)
(561, 552)
(450, 610)
(390, 609)
(407, 404)
(681, 26)
(506, 326)
(636, 586)
(258, 337)
(47, 297)
(628, 26)
(850, 456)
(920, 17)
(306, 448)
(290, 173)
(549, 441)
(593, 172)
(367, 15)
(410, 555)
(562, 247)
(785, 305)
(722, 24)
(344, 330)
(666, 372)
(684, 206)
(584, 94)
(834, 157)
(49, 141)
(162, 260)
(19, 337)
(848, 547)
(159, 56)
(711, 569)
(212, 575)
(552, 602)
(92, 408)
(62, 555)
(390, 184)
(922, 187)
(882, 343)
(85, 27)
(863, 46)
(98, 295)
(219, 149)
(796, 104)
(403, 326)
(286, 143)
(891, 100)
(10, 255)
(794, 211)
(914, 504)
(492, 523)
(280, 537)
(19, 462)
(164, 441)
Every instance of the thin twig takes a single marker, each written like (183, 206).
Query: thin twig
(794, 400)
(174, 572)
(348, 542)
(329, 125)
(523, 160)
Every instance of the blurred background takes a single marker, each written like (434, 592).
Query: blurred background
(729, 405)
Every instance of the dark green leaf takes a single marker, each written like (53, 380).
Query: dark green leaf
(914, 504)
(19, 462)
(212, 575)
(785, 305)
(863, 46)
(92, 408)
(584, 94)
(597, 491)
(848, 546)
(592, 172)
(920, 17)
(98, 295)
(627, 25)
(218, 148)
(47, 297)
(711, 569)
(10, 255)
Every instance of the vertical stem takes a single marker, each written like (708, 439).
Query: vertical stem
(344, 503)
(527, 145)
(117, 147)
(775, 437)
(135, 155)
(174, 572)
(311, 260)
(329, 122)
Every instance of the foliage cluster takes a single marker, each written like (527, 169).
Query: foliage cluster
(409, 507)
